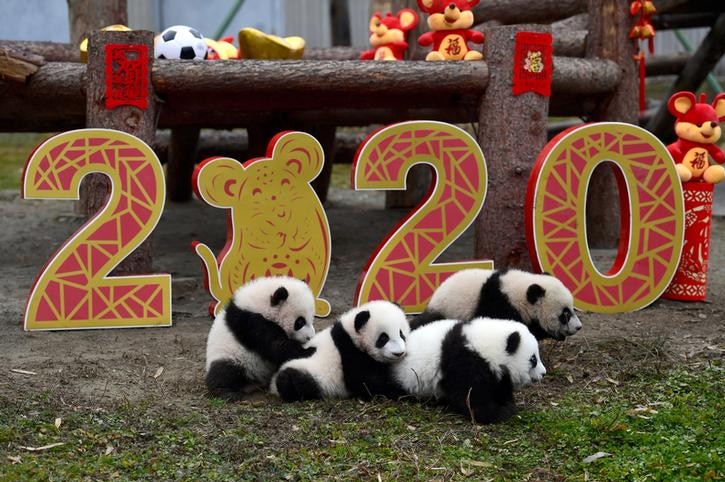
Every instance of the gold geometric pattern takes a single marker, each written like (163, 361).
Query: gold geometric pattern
(73, 290)
(651, 207)
(402, 268)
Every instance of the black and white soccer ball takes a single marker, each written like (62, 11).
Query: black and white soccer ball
(180, 42)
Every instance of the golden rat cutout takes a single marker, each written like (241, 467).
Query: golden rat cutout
(276, 224)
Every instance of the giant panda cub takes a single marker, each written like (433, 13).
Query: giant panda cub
(473, 367)
(265, 324)
(540, 301)
(352, 358)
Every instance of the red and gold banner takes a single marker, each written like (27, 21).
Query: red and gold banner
(690, 281)
(533, 63)
(127, 79)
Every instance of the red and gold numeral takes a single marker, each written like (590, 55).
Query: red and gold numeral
(73, 290)
(402, 268)
(651, 209)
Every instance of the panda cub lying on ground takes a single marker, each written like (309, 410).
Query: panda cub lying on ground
(540, 301)
(353, 358)
(473, 367)
(265, 324)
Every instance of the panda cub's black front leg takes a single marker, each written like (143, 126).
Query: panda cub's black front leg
(227, 380)
(295, 385)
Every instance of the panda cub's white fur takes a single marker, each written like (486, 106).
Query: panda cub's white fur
(352, 358)
(473, 367)
(540, 301)
(265, 324)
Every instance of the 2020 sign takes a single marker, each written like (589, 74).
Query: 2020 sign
(73, 290)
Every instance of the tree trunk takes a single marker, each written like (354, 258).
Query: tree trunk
(511, 132)
(521, 11)
(609, 24)
(140, 123)
(88, 15)
(183, 148)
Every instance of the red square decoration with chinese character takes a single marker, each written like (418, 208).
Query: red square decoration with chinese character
(533, 63)
(127, 75)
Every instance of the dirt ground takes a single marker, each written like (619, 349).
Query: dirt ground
(106, 367)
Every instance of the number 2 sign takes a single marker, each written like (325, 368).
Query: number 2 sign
(74, 290)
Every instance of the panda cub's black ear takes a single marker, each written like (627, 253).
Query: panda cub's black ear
(534, 293)
(279, 296)
(360, 319)
(512, 342)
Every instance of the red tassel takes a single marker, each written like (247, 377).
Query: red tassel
(642, 88)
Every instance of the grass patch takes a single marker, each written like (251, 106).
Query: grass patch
(14, 151)
(668, 428)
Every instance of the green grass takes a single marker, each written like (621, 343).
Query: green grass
(14, 151)
(668, 428)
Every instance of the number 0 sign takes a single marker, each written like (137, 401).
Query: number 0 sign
(652, 215)
(73, 290)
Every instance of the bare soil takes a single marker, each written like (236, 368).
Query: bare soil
(105, 367)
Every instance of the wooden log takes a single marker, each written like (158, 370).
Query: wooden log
(183, 147)
(570, 43)
(141, 123)
(50, 51)
(18, 65)
(610, 22)
(52, 99)
(270, 79)
(671, 64)
(333, 53)
(702, 61)
(683, 20)
(522, 11)
(510, 148)
(580, 21)
(585, 76)
(88, 15)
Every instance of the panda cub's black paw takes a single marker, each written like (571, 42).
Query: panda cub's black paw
(228, 381)
(296, 386)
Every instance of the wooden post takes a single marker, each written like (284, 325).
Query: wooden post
(609, 24)
(511, 132)
(85, 16)
(140, 123)
(183, 148)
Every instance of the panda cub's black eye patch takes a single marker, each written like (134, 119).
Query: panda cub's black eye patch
(402, 335)
(299, 323)
(565, 316)
(382, 340)
(533, 361)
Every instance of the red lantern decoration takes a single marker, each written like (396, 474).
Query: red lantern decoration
(642, 30)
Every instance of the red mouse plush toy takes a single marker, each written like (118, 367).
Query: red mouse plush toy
(698, 130)
(450, 22)
(388, 35)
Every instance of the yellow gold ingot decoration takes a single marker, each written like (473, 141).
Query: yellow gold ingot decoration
(111, 28)
(255, 44)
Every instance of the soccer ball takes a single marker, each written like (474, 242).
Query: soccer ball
(180, 42)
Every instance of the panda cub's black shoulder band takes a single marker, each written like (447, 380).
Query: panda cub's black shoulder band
(262, 336)
(364, 376)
